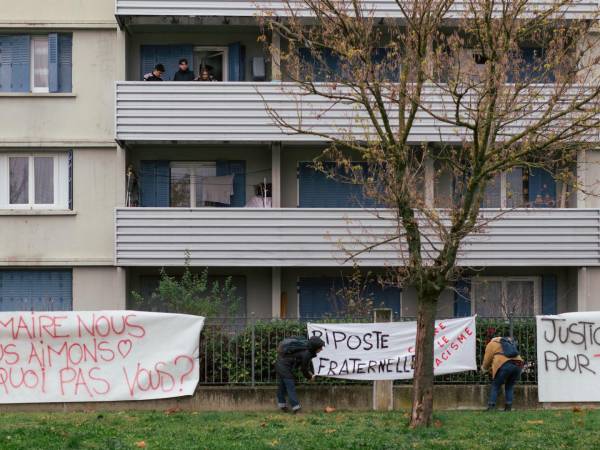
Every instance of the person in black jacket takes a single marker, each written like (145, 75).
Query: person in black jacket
(285, 366)
(156, 74)
(184, 73)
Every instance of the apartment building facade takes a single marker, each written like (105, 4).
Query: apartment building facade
(140, 158)
(59, 162)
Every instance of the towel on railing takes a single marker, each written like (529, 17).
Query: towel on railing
(217, 189)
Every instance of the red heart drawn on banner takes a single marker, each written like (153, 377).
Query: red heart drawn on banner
(124, 346)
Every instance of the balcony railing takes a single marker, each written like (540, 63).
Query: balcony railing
(222, 237)
(249, 8)
(238, 111)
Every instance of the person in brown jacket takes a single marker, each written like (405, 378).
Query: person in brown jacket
(503, 360)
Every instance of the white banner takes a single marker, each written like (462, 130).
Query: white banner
(568, 353)
(96, 356)
(386, 351)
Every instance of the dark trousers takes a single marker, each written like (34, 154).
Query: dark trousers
(507, 375)
(287, 386)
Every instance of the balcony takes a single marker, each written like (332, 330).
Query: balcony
(293, 237)
(237, 112)
(249, 8)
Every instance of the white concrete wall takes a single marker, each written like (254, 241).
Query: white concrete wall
(67, 12)
(84, 117)
(98, 288)
(85, 237)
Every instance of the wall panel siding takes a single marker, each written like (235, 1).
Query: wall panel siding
(236, 111)
(249, 8)
(322, 237)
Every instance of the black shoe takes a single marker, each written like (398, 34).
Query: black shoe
(491, 408)
(508, 407)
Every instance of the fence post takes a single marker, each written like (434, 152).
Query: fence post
(253, 353)
(383, 391)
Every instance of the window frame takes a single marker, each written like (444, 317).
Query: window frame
(215, 48)
(537, 289)
(60, 181)
(190, 165)
(32, 86)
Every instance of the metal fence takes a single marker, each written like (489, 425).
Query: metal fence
(244, 350)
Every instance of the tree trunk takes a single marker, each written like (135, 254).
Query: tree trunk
(422, 405)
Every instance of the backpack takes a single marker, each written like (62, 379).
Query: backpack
(292, 345)
(509, 347)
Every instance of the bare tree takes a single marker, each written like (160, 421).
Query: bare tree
(462, 74)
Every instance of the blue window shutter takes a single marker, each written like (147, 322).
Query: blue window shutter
(148, 55)
(167, 55)
(549, 294)
(5, 63)
(65, 62)
(462, 298)
(36, 290)
(20, 63)
(155, 183)
(70, 162)
(237, 62)
(53, 62)
(542, 188)
(315, 297)
(238, 170)
(318, 190)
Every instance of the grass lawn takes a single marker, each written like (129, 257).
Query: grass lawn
(343, 430)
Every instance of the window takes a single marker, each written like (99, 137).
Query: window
(36, 63)
(518, 188)
(214, 59)
(505, 296)
(37, 181)
(39, 64)
(186, 182)
(506, 190)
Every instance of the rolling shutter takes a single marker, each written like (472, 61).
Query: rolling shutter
(318, 190)
(36, 290)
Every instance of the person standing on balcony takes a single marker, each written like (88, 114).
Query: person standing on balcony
(205, 73)
(293, 353)
(156, 74)
(503, 360)
(184, 73)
